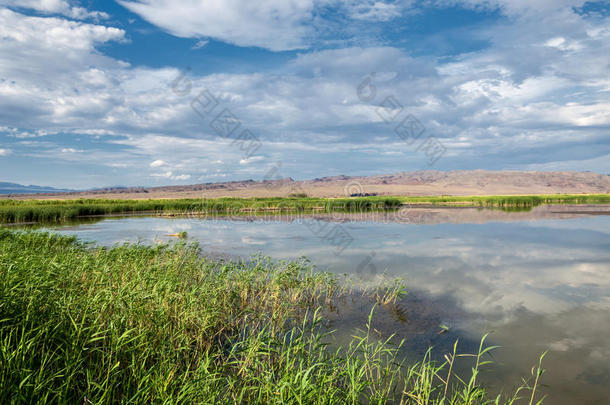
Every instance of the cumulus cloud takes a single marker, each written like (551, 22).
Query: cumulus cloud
(375, 10)
(278, 25)
(171, 176)
(55, 7)
(39, 47)
(537, 95)
(273, 24)
(5, 152)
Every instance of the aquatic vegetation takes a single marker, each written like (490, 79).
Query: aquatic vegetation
(181, 235)
(23, 211)
(511, 201)
(141, 324)
(19, 211)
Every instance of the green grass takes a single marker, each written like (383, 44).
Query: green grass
(137, 324)
(511, 200)
(15, 211)
(19, 211)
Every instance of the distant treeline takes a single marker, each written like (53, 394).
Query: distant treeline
(17, 211)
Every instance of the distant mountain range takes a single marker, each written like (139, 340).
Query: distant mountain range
(14, 188)
(425, 183)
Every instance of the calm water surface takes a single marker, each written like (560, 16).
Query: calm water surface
(537, 281)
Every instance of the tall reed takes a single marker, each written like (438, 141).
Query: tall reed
(21, 211)
(137, 324)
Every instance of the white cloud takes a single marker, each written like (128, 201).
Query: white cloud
(200, 44)
(5, 152)
(43, 58)
(43, 61)
(120, 165)
(23, 134)
(166, 175)
(251, 159)
(539, 89)
(514, 7)
(375, 11)
(171, 176)
(56, 7)
(54, 32)
(157, 163)
(278, 25)
(273, 24)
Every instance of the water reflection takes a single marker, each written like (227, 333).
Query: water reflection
(539, 280)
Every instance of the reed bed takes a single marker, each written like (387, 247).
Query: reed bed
(511, 200)
(22, 211)
(161, 324)
(16, 211)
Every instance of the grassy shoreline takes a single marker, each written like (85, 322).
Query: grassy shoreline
(512, 200)
(83, 324)
(16, 211)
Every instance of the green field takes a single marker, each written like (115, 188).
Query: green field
(18, 211)
(137, 324)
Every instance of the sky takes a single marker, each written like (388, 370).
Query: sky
(156, 92)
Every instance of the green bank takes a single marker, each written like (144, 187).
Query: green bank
(162, 324)
(18, 211)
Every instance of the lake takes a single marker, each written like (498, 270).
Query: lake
(536, 280)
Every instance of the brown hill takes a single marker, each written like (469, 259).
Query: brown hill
(424, 183)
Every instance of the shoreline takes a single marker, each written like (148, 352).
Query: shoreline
(397, 208)
(107, 317)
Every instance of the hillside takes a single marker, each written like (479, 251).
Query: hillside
(425, 183)
(14, 188)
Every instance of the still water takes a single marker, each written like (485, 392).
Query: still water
(536, 280)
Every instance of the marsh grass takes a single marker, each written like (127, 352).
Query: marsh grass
(511, 201)
(24, 211)
(137, 324)
(16, 211)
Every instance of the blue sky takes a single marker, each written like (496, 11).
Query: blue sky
(100, 93)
